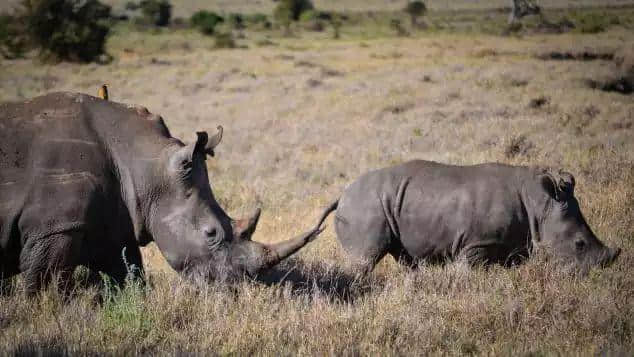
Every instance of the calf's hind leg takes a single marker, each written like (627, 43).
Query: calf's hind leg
(364, 239)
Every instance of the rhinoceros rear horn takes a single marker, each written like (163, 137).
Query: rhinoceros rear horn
(244, 228)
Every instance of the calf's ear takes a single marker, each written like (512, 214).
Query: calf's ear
(566, 184)
(560, 189)
(549, 184)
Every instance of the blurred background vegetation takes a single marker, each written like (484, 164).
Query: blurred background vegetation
(78, 30)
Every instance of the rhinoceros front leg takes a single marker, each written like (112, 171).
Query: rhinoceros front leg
(126, 265)
(49, 256)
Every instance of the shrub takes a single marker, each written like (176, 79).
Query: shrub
(309, 15)
(258, 20)
(225, 40)
(312, 21)
(592, 23)
(415, 9)
(132, 6)
(205, 21)
(13, 43)
(156, 12)
(395, 24)
(236, 21)
(290, 10)
(72, 30)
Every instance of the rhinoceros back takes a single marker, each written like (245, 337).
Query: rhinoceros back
(51, 165)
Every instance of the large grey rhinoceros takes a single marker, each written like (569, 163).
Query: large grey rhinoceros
(489, 213)
(84, 181)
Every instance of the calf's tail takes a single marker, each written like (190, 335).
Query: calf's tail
(333, 206)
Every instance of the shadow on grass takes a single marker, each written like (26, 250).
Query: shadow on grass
(320, 279)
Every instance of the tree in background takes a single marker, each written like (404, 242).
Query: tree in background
(156, 12)
(415, 9)
(13, 39)
(73, 30)
(206, 21)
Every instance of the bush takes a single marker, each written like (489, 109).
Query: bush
(72, 30)
(156, 12)
(131, 6)
(236, 21)
(415, 9)
(592, 23)
(290, 10)
(395, 24)
(13, 43)
(258, 20)
(311, 20)
(206, 21)
(225, 40)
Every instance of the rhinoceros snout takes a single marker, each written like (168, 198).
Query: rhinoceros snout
(610, 256)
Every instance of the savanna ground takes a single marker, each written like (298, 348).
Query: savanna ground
(304, 116)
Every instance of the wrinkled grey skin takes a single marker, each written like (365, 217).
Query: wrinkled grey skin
(85, 181)
(488, 213)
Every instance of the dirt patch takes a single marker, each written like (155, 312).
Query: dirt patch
(547, 27)
(583, 55)
(538, 102)
(397, 109)
(622, 79)
(620, 85)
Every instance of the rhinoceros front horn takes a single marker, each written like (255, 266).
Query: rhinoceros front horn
(244, 228)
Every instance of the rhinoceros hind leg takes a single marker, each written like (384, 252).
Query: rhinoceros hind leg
(402, 257)
(6, 286)
(51, 256)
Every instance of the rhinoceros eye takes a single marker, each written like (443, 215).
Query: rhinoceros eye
(580, 245)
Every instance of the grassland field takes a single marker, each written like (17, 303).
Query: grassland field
(306, 114)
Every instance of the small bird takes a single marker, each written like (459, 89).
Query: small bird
(103, 92)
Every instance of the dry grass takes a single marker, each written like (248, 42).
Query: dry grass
(304, 118)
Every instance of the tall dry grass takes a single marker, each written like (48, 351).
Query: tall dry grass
(304, 118)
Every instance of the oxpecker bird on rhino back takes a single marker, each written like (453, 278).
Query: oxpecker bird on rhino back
(489, 213)
(84, 181)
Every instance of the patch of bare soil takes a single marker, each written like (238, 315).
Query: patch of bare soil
(622, 79)
(573, 55)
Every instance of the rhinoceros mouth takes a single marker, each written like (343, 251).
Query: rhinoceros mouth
(609, 257)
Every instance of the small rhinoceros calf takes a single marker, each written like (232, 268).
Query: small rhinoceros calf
(85, 181)
(489, 213)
